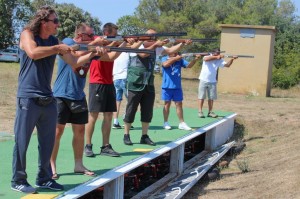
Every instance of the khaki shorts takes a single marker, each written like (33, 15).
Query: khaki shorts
(209, 88)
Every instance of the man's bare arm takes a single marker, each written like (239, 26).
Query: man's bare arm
(35, 52)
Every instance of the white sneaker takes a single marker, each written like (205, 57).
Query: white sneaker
(167, 126)
(184, 126)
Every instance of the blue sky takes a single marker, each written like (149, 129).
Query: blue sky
(105, 10)
(297, 4)
(112, 10)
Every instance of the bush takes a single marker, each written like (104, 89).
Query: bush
(285, 78)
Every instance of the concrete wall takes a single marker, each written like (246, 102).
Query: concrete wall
(247, 75)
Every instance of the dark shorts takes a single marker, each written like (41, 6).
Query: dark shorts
(66, 116)
(102, 98)
(146, 101)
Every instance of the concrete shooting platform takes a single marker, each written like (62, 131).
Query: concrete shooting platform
(111, 170)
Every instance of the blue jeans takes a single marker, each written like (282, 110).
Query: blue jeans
(120, 86)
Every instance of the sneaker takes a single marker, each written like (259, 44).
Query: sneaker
(116, 126)
(145, 139)
(201, 115)
(212, 114)
(127, 140)
(167, 126)
(50, 184)
(184, 126)
(23, 187)
(108, 151)
(88, 150)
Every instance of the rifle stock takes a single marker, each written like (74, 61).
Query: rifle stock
(92, 48)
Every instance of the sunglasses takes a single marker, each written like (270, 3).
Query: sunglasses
(89, 35)
(55, 20)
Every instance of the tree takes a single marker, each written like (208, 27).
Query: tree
(130, 25)
(36, 4)
(6, 16)
(286, 70)
(148, 12)
(70, 16)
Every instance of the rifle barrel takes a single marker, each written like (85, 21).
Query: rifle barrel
(204, 40)
(91, 48)
(200, 53)
(242, 56)
(163, 34)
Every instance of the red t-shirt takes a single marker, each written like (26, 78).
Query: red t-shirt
(101, 72)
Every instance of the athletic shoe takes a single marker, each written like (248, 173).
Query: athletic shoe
(108, 151)
(145, 139)
(212, 114)
(184, 126)
(50, 184)
(88, 150)
(116, 126)
(201, 115)
(127, 140)
(167, 126)
(23, 187)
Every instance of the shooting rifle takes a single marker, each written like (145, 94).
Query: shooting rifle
(144, 37)
(92, 48)
(209, 53)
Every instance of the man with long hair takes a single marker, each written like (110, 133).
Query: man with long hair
(36, 106)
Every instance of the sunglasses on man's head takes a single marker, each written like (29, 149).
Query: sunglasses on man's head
(55, 20)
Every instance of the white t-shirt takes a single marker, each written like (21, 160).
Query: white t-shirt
(209, 70)
(120, 66)
(158, 51)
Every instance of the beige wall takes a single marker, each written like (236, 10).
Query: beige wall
(247, 75)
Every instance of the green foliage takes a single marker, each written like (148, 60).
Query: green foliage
(130, 25)
(286, 77)
(148, 12)
(200, 18)
(6, 33)
(36, 4)
(70, 16)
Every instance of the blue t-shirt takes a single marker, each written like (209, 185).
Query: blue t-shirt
(35, 75)
(172, 75)
(69, 83)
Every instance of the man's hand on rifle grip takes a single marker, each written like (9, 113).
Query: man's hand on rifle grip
(188, 41)
(130, 40)
(100, 41)
(161, 42)
(99, 51)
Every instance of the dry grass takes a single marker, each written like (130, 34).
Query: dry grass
(272, 135)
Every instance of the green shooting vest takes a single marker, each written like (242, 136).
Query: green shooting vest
(140, 73)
